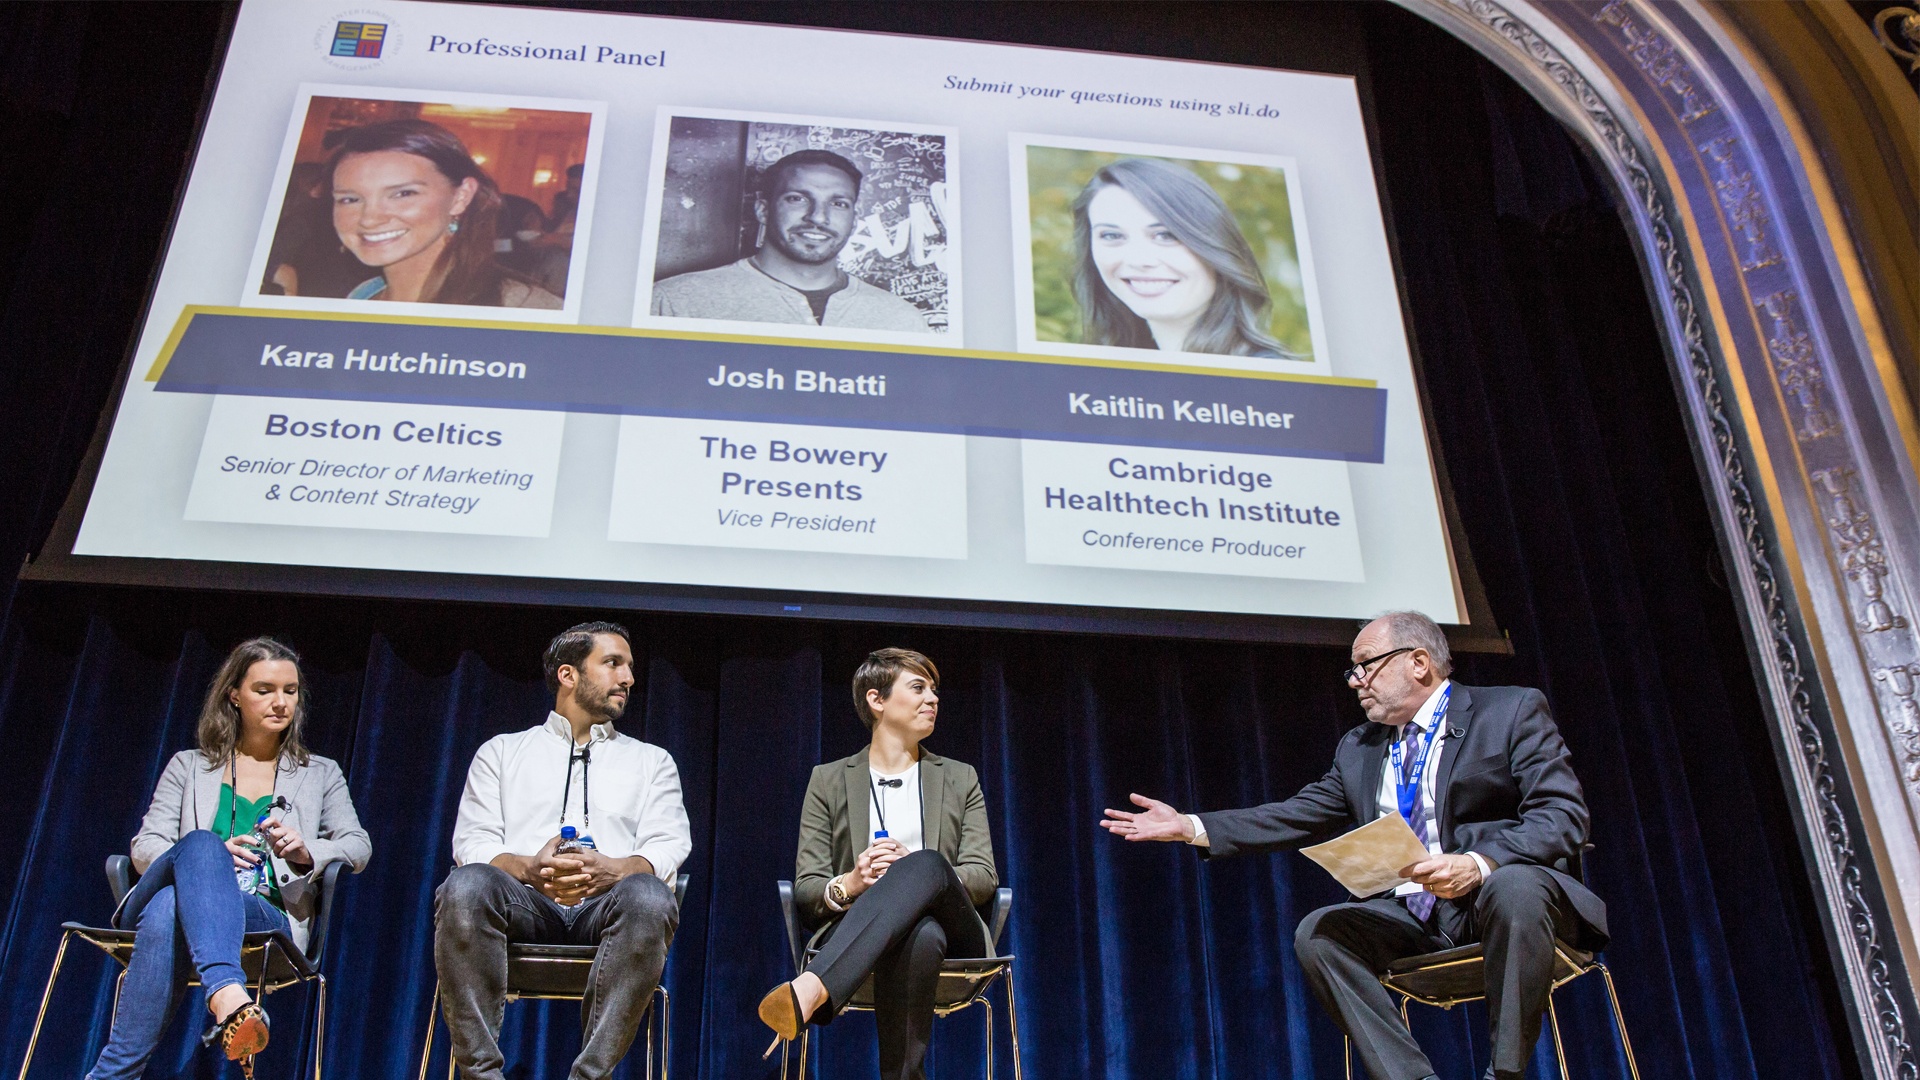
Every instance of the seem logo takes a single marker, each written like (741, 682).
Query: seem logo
(360, 40)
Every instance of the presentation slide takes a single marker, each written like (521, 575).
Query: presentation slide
(488, 293)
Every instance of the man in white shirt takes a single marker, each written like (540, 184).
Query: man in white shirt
(1483, 779)
(616, 793)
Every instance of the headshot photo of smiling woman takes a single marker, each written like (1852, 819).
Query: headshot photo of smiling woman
(394, 201)
(1163, 265)
(410, 203)
(1151, 253)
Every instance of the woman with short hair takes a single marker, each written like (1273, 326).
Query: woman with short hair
(894, 859)
(190, 908)
(1162, 264)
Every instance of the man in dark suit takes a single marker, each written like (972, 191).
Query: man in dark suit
(1482, 776)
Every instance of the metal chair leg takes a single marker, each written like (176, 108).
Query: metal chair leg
(1346, 1054)
(320, 1027)
(1619, 1021)
(666, 1030)
(1013, 1024)
(989, 1008)
(1559, 1051)
(433, 1014)
(806, 1042)
(46, 996)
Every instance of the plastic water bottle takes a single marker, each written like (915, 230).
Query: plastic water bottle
(572, 840)
(253, 879)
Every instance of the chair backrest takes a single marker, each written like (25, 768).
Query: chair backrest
(120, 877)
(796, 936)
(317, 933)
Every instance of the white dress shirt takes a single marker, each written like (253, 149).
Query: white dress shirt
(512, 803)
(1389, 801)
(899, 807)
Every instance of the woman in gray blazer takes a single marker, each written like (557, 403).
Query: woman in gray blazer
(894, 859)
(208, 876)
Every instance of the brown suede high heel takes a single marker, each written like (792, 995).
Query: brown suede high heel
(241, 1035)
(780, 1010)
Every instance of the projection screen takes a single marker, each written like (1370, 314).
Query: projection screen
(544, 305)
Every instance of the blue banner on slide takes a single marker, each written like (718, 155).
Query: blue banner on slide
(645, 373)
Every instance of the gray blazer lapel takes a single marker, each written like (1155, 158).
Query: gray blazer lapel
(206, 793)
(1459, 715)
(859, 781)
(933, 801)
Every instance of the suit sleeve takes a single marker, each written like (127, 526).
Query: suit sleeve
(160, 829)
(340, 837)
(1553, 809)
(975, 863)
(1318, 811)
(813, 861)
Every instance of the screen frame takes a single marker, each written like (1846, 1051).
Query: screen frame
(53, 561)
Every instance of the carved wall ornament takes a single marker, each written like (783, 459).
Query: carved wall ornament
(1634, 29)
(1746, 210)
(1903, 720)
(1862, 556)
(1656, 56)
(1903, 40)
(1795, 365)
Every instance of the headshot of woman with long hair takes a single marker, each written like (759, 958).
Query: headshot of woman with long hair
(410, 203)
(1162, 264)
(234, 843)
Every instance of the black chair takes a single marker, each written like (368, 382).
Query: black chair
(559, 973)
(963, 982)
(1456, 976)
(271, 960)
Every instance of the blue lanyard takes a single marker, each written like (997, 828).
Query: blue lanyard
(1407, 789)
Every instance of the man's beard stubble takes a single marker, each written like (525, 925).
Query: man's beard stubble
(599, 702)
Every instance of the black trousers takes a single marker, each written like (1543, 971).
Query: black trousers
(899, 931)
(1515, 914)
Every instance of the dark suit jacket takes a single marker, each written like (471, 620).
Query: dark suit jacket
(1505, 789)
(834, 828)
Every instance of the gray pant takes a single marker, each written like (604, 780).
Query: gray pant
(480, 908)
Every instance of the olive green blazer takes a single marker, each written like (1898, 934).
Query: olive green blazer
(834, 828)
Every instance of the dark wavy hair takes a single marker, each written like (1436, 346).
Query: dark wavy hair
(466, 272)
(572, 646)
(1235, 321)
(219, 730)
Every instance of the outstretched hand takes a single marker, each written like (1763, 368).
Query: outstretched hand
(1155, 821)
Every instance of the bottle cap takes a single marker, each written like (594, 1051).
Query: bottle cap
(568, 832)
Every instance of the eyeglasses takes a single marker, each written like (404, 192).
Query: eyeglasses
(1358, 672)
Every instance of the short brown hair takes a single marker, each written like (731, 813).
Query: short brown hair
(219, 730)
(879, 671)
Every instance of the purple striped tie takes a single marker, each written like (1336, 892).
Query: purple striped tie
(1420, 903)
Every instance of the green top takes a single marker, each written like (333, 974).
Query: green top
(243, 816)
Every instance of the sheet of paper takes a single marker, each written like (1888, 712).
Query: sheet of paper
(1369, 859)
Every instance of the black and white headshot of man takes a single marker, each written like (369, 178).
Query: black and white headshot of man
(804, 247)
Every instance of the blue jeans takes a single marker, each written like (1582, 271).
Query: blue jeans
(187, 908)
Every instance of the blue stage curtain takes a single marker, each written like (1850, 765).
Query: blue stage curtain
(1553, 414)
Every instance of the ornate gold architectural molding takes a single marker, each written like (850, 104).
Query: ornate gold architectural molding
(1775, 290)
